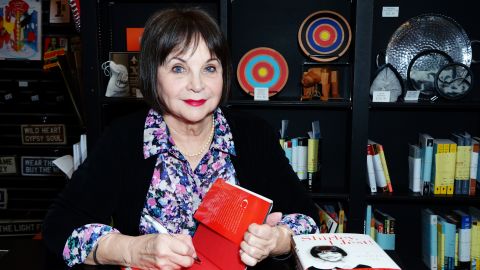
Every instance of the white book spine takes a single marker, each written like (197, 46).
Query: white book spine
(414, 168)
(473, 165)
(371, 174)
(379, 174)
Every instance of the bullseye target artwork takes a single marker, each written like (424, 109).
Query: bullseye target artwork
(324, 36)
(262, 68)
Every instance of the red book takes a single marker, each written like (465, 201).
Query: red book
(224, 216)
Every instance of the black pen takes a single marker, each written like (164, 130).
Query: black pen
(160, 229)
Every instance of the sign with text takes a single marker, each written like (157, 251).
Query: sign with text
(20, 227)
(8, 165)
(44, 134)
(39, 166)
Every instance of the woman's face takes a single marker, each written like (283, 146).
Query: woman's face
(191, 83)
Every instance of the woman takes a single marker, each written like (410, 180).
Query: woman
(188, 142)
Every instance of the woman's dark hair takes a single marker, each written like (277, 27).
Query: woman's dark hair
(321, 249)
(170, 30)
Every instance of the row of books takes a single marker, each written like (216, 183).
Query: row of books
(381, 227)
(451, 239)
(332, 218)
(444, 166)
(303, 153)
(378, 175)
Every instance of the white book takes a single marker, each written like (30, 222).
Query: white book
(371, 174)
(340, 250)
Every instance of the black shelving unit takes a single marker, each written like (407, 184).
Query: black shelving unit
(346, 124)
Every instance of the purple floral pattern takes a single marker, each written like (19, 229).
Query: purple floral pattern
(176, 190)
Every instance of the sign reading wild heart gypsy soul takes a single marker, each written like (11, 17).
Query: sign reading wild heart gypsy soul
(39, 166)
(44, 134)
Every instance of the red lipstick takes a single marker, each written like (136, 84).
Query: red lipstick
(195, 102)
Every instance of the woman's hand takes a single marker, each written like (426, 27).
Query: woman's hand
(261, 241)
(151, 251)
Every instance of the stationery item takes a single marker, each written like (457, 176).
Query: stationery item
(443, 171)
(224, 216)
(324, 36)
(474, 167)
(414, 168)
(340, 251)
(462, 163)
(262, 67)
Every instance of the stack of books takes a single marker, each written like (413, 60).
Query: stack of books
(378, 175)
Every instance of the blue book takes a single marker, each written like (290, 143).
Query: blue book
(429, 238)
(464, 237)
(368, 220)
(449, 230)
(426, 145)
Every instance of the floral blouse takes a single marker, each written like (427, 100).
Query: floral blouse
(176, 190)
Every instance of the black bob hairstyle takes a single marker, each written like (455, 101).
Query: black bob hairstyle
(173, 30)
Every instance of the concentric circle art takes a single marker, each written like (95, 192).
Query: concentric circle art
(324, 36)
(262, 67)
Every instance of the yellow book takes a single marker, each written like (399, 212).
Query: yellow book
(379, 150)
(440, 246)
(474, 251)
(444, 165)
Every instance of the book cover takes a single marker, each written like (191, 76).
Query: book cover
(327, 223)
(426, 146)
(340, 251)
(429, 238)
(448, 231)
(224, 216)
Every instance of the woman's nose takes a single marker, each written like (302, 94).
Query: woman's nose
(196, 82)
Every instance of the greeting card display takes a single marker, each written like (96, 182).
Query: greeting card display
(262, 68)
(21, 29)
(324, 36)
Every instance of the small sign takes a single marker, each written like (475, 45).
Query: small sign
(390, 12)
(19, 227)
(412, 96)
(8, 165)
(260, 93)
(44, 134)
(381, 96)
(3, 198)
(39, 166)
(22, 83)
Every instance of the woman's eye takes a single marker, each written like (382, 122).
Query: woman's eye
(178, 69)
(210, 69)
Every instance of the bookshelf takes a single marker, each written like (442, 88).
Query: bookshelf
(346, 124)
(30, 95)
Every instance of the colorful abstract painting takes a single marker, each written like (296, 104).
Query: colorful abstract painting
(20, 29)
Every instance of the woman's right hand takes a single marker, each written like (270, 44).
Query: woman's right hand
(161, 251)
(151, 251)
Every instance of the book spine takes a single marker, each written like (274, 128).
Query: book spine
(462, 170)
(370, 169)
(429, 238)
(381, 152)
(473, 168)
(427, 166)
(379, 174)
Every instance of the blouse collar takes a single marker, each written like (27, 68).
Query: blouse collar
(157, 140)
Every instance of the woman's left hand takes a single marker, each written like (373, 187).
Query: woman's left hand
(261, 241)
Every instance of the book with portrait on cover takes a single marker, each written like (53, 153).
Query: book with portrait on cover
(340, 251)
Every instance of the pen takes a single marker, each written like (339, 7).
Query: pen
(161, 229)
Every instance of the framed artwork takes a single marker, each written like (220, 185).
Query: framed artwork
(59, 11)
(20, 29)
